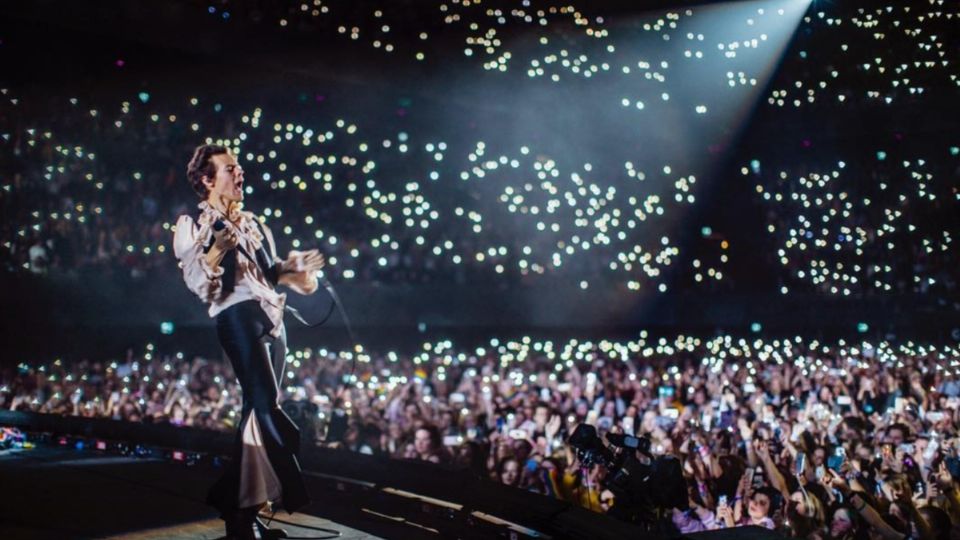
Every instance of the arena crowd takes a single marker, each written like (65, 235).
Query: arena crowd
(816, 440)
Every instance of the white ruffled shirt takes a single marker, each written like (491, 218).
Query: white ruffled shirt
(191, 237)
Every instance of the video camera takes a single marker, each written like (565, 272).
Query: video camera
(644, 486)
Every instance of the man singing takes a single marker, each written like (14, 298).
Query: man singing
(229, 260)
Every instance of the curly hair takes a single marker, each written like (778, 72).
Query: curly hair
(200, 165)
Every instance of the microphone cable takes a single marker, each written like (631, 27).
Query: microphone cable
(219, 225)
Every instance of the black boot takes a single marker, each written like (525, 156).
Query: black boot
(240, 525)
(267, 533)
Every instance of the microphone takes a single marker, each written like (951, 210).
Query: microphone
(218, 226)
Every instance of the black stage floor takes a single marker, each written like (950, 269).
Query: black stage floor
(62, 493)
(58, 492)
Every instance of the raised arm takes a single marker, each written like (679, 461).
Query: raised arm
(876, 522)
(773, 473)
(945, 483)
(299, 270)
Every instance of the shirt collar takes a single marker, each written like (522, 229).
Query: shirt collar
(210, 214)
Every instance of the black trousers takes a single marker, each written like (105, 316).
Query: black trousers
(243, 330)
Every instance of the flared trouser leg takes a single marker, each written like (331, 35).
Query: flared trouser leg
(267, 441)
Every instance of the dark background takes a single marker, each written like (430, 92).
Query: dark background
(174, 49)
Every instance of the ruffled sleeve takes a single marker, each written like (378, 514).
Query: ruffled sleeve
(301, 281)
(188, 242)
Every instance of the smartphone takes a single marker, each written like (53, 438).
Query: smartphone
(451, 440)
(672, 413)
(821, 412)
(563, 388)
(544, 394)
(628, 425)
(800, 463)
(953, 465)
(729, 398)
(749, 473)
(749, 388)
(457, 397)
(935, 416)
(722, 500)
(931, 449)
(899, 404)
(591, 382)
(844, 400)
(518, 434)
(919, 488)
(834, 463)
(906, 448)
(592, 418)
(703, 450)
(820, 472)
(757, 477)
(665, 392)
